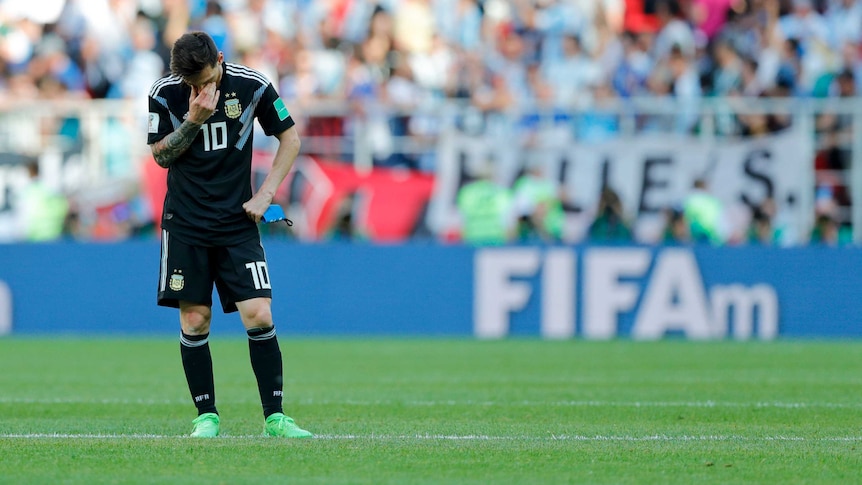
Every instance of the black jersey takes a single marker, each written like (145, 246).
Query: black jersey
(211, 180)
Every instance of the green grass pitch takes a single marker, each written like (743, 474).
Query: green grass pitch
(434, 411)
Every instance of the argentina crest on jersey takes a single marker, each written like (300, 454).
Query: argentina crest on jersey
(232, 108)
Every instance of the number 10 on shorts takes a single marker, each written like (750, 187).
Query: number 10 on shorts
(259, 274)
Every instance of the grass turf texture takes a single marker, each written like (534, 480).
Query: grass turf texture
(439, 411)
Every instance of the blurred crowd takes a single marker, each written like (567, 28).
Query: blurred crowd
(496, 53)
(533, 212)
(385, 59)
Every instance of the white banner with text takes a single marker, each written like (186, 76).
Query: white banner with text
(650, 173)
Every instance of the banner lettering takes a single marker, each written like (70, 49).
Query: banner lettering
(649, 172)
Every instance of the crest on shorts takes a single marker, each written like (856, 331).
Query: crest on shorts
(177, 282)
(232, 108)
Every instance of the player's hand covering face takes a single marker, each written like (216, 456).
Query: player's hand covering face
(202, 102)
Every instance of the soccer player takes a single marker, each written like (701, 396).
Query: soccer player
(200, 128)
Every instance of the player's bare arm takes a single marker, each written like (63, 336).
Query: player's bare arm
(288, 149)
(202, 104)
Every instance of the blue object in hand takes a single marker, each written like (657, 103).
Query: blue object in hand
(274, 214)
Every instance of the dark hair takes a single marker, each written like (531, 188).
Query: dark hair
(847, 75)
(758, 215)
(192, 53)
(672, 7)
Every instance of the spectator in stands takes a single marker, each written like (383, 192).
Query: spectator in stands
(674, 33)
(538, 205)
(676, 77)
(541, 91)
(825, 231)
(508, 70)
(41, 210)
(844, 20)
(784, 226)
(685, 88)
(610, 223)
(215, 23)
(401, 94)
(573, 75)
(413, 26)
(708, 16)
(51, 60)
(837, 129)
(461, 28)
(727, 78)
(759, 124)
(631, 74)
(485, 209)
(809, 30)
(751, 82)
(434, 72)
(760, 230)
(365, 79)
(704, 213)
(143, 65)
(676, 228)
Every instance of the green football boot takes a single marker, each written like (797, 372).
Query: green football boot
(277, 424)
(206, 426)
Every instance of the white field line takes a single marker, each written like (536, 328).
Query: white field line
(430, 437)
(432, 403)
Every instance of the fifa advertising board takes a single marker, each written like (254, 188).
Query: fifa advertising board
(556, 292)
(625, 291)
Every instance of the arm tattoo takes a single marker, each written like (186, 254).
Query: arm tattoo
(167, 150)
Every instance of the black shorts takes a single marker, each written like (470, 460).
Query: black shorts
(187, 273)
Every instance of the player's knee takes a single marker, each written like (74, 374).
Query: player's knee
(195, 321)
(258, 316)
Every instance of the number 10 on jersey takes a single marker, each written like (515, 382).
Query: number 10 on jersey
(215, 136)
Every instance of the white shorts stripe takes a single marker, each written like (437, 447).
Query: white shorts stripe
(163, 269)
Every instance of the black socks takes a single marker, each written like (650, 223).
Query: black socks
(198, 365)
(265, 358)
(266, 362)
